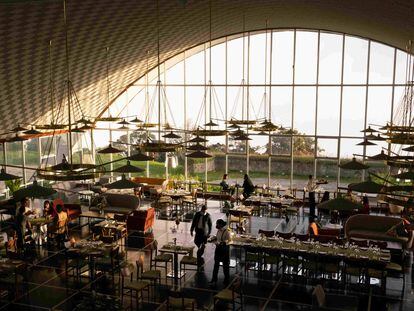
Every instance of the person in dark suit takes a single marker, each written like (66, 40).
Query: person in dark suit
(248, 187)
(202, 226)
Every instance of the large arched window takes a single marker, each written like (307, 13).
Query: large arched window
(325, 87)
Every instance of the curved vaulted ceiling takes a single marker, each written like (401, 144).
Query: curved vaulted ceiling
(128, 27)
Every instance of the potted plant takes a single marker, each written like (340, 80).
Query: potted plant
(13, 185)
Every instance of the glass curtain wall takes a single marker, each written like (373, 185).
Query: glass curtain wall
(321, 88)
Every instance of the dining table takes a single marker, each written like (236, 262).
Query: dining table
(39, 228)
(177, 197)
(176, 249)
(11, 266)
(92, 249)
(240, 212)
(348, 250)
(118, 227)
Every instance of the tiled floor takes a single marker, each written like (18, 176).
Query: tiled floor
(47, 288)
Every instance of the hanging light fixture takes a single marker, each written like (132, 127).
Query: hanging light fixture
(211, 123)
(32, 131)
(123, 122)
(123, 183)
(409, 149)
(135, 120)
(369, 130)
(197, 146)
(16, 138)
(128, 168)
(140, 157)
(86, 127)
(197, 139)
(380, 156)
(366, 142)
(19, 128)
(76, 129)
(171, 135)
(198, 155)
(109, 149)
(6, 176)
(354, 165)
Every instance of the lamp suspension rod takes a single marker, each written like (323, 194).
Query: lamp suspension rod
(159, 71)
(243, 70)
(107, 75)
(210, 81)
(68, 79)
(51, 83)
(265, 72)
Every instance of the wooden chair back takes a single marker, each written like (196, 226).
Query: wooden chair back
(267, 233)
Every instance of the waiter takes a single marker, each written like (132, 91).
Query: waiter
(202, 226)
(311, 186)
(222, 252)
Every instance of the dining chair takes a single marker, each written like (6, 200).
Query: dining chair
(379, 244)
(301, 237)
(253, 259)
(190, 261)
(13, 281)
(190, 201)
(395, 270)
(232, 295)
(376, 270)
(152, 276)
(271, 260)
(354, 268)
(291, 263)
(330, 267)
(160, 260)
(360, 243)
(267, 233)
(311, 265)
(327, 301)
(284, 235)
(74, 263)
(130, 287)
(177, 301)
(108, 263)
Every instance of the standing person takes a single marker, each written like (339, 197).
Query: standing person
(46, 209)
(225, 185)
(61, 221)
(248, 187)
(313, 229)
(222, 252)
(22, 222)
(311, 186)
(365, 204)
(201, 224)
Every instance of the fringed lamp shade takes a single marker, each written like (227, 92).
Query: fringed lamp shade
(366, 187)
(140, 157)
(198, 155)
(123, 183)
(33, 191)
(109, 149)
(354, 165)
(128, 168)
(6, 176)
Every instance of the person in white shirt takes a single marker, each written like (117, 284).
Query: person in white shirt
(311, 187)
(222, 252)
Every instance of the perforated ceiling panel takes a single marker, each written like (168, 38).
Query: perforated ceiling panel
(128, 28)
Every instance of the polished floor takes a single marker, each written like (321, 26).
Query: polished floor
(47, 288)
